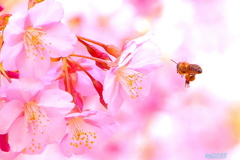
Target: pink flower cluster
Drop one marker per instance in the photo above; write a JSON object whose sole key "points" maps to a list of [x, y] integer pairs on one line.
{"points": [[46, 79]]}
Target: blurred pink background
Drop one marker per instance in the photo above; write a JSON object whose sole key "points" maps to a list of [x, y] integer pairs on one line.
{"points": [[174, 122]]}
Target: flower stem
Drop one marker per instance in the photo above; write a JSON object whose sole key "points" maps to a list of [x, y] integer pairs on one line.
{"points": [[92, 41], [97, 85], [66, 75], [91, 58], [111, 49]]}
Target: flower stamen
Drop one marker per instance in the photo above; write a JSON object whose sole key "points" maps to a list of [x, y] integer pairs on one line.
{"points": [[80, 133], [35, 117], [130, 81], [34, 42]]}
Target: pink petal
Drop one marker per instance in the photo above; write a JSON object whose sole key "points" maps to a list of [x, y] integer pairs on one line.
{"points": [[9, 55], [127, 54], [53, 72], [10, 112], [130, 48], [111, 93], [65, 147], [139, 41], [24, 89], [82, 114], [116, 100], [61, 39], [85, 85], [13, 40], [15, 28], [3, 88], [56, 128], [56, 98], [33, 66], [46, 12], [102, 120], [79, 150], [109, 86], [18, 136], [88, 113], [147, 58], [8, 155], [95, 71]]}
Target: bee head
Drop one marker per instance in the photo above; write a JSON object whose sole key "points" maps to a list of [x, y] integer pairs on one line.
{"points": [[181, 68]]}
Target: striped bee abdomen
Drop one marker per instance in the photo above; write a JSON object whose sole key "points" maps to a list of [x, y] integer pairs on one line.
{"points": [[194, 68]]}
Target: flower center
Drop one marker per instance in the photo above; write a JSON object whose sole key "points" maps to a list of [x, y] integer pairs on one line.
{"points": [[34, 42], [36, 117], [130, 81], [81, 133]]}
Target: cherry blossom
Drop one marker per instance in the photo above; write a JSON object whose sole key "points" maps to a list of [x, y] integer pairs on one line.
{"points": [[85, 130], [33, 113], [128, 80], [32, 37]]}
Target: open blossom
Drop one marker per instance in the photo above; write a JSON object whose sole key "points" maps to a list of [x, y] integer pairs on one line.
{"points": [[85, 131], [33, 115], [32, 37], [128, 79]]}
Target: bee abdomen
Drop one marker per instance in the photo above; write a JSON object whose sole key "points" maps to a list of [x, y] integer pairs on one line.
{"points": [[194, 68]]}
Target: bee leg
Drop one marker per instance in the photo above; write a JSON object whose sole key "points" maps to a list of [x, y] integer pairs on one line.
{"points": [[187, 82], [189, 77], [192, 78]]}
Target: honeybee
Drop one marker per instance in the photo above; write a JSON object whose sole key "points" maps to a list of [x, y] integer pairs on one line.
{"points": [[189, 70]]}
